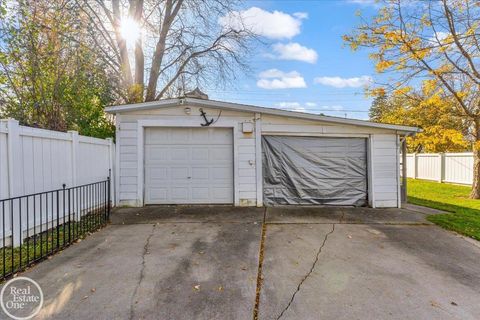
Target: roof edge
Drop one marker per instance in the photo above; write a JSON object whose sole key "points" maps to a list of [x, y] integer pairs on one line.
{"points": [[257, 109]]}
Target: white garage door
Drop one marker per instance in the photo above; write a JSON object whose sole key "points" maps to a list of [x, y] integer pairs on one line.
{"points": [[188, 165]]}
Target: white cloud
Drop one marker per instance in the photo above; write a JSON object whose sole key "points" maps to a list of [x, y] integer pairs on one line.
{"points": [[374, 3], [291, 106], [301, 15], [439, 37], [339, 82], [276, 79], [332, 108], [274, 25], [363, 1], [295, 51], [310, 107], [380, 3]]}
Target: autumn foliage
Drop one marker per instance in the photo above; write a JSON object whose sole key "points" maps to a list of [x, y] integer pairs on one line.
{"points": [[432, 46]]}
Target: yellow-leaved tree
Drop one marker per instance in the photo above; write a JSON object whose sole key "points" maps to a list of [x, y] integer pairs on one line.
{"points": [[435, 41], [442, 130]]}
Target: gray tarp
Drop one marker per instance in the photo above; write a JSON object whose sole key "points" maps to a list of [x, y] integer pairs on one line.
{"points": [[311, 170]]}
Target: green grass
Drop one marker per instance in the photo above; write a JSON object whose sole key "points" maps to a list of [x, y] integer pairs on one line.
{"points": [[465, 213], [46, 243]]}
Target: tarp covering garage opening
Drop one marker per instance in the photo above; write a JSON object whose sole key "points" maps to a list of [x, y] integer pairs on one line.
{"points": [[313, 170]]}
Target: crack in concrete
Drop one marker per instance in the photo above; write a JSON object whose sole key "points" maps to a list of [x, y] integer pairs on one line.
{"points": [[308, 273], [142, 273], [260, 267]]}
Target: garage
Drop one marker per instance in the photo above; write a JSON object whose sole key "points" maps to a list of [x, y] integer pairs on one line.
{"points": [[314, 171], [193, 150], [188, 166]]}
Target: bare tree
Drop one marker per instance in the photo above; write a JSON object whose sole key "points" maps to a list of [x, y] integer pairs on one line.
{"points": [[181, 43], [436, 43]]}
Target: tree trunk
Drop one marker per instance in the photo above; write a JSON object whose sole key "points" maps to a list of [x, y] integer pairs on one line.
{"points": [[475, 194], [139, 55]]}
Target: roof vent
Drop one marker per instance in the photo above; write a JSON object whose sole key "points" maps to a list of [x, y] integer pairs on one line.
{"points": [[197, 94]]}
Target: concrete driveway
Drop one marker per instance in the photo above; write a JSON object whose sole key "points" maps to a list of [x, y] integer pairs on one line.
{"points": [[313, 263]]}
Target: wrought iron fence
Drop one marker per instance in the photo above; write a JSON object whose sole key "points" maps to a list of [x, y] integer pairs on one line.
{"points": [[37, 225]]}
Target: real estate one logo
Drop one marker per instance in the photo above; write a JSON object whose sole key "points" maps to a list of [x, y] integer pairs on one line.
{"points": [[21, 298]]}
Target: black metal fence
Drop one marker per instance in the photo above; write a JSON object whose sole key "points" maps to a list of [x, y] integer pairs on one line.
{"points": [[36, 226]]}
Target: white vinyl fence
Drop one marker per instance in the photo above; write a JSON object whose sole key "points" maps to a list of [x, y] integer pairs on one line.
{"points": [[36, 160], [441, 167]]}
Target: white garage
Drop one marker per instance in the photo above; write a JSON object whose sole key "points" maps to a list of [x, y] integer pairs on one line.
{"points": [[188, 165], [191, 150]]}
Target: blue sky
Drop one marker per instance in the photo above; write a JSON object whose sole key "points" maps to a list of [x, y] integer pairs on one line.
{"points": [[305, 65]]}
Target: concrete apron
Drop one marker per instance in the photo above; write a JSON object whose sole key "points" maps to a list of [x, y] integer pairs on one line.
{"points": [[366, 264], [318, 263]]}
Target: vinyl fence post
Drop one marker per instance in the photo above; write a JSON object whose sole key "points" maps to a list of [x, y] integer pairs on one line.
{"points": [[441, 176], [14, 181], [74, 135], [111, 161], [13, 142], [109, 183]]}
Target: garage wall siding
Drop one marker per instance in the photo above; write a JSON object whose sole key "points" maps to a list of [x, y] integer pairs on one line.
{"points": [[384, 149], [385, 170], [127, 140]]}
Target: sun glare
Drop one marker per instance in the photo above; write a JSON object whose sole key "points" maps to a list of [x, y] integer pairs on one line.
{"points": [[130, 30]]}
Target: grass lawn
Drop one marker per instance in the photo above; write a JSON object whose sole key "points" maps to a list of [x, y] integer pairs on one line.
{"points": [[465, 213], [42, 245]]}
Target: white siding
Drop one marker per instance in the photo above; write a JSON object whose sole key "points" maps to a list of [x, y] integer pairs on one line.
{"points": [[385, 170], [128, 152], [384, 157], [292, 126]]}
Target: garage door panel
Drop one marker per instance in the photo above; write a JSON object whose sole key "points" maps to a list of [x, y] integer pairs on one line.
{"points": [[200, 193], [201, 154], [221, 193], [179, 154], [179, 173], [155, 153], [157, 193], [156, 136], [223, 137], [183, 168], [179, 135], [200, 173], [314, 170], [220, 154], [179, 193], [221, 173], [199, 136], [157, 173]]}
